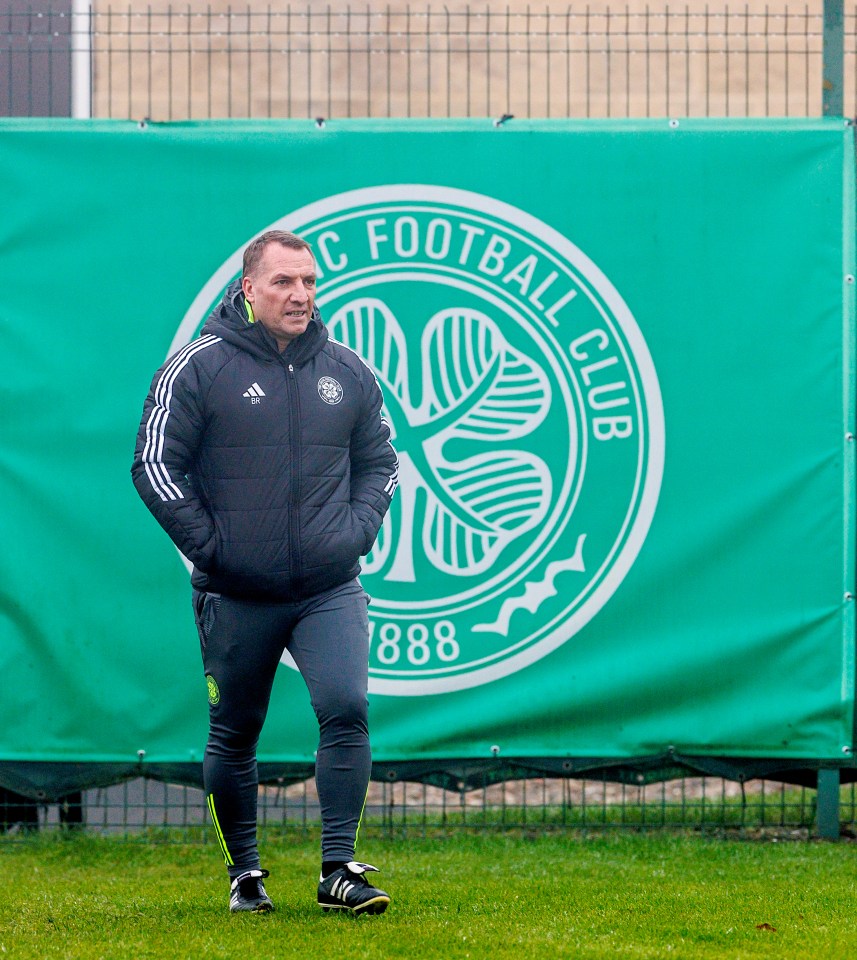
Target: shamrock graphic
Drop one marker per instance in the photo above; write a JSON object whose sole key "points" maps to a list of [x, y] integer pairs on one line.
{"points": [[475, 388]]}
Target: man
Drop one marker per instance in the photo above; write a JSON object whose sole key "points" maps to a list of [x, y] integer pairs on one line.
{"points": [[263, 454]]}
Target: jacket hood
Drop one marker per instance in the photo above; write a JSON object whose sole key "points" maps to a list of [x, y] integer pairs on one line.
{"points": [[229, 320]]}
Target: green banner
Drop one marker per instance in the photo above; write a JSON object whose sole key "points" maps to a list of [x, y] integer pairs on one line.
{"points": [[618, 361]]}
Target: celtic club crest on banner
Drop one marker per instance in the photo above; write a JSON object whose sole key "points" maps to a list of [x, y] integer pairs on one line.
{"points": [[524, 407]]}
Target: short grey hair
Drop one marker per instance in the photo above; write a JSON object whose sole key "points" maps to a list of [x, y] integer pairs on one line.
{"points": [[256, 248]]}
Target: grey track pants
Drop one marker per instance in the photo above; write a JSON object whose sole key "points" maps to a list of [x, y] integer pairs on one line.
{"points": [[242, 642]]}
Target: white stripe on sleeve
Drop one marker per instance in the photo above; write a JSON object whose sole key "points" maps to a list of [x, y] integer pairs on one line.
{"points": [[156, 425]]}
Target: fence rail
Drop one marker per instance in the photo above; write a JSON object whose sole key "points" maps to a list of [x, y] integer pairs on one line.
{"points": [[630, 60]]}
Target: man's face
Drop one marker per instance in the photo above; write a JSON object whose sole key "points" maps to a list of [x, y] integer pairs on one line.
{"points": [[281, 291]]}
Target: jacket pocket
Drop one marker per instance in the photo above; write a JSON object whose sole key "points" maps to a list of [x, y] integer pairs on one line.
{"points": [[362, 544], [206, 559]]}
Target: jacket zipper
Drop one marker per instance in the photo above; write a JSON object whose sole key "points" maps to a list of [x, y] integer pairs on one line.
{"points": [[295, 478]]}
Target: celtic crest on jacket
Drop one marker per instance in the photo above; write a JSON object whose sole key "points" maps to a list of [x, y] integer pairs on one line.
{"points": [[330, 390], [526, 412]]}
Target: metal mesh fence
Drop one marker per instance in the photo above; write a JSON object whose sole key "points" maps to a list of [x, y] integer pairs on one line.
{"points": [[147, 808], [176, 62]]}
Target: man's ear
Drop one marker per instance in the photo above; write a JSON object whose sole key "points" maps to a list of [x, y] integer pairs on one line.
{"points": [[247, 287]]}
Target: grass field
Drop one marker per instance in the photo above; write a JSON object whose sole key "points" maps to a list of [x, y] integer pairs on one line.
{"points": [[642, 896]]}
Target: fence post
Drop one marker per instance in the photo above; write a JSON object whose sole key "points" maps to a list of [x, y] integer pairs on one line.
{"points": [[833, 55], [81, 59], [827, 805]]}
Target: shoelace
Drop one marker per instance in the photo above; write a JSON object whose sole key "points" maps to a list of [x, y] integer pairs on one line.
{"points": [[251, 887]]}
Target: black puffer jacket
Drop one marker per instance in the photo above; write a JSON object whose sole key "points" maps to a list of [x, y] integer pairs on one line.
{"points": [[270, 471]]}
